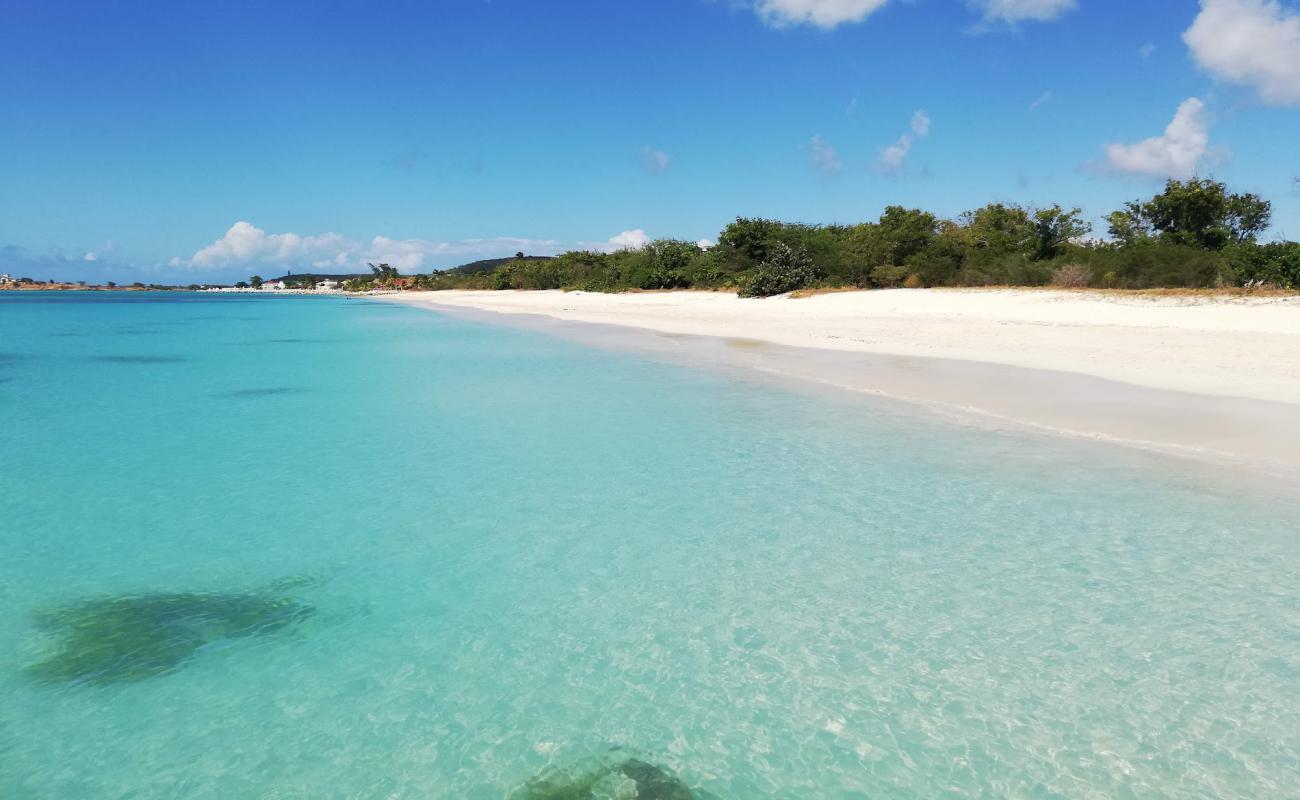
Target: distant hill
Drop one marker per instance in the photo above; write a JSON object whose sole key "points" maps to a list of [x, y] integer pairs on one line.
{"points": [[472, 268], [487, 265], [318, 276]]}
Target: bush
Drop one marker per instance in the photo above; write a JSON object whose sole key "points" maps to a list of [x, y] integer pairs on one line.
{"points": [[785, 270], [1071, 276], [889, 277], [1275, 264], [913, 282]]}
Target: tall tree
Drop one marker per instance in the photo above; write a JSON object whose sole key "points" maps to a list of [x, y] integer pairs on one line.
{"points": [[905, 231], [1000, 228], [1054, 227], [1199, 212]]}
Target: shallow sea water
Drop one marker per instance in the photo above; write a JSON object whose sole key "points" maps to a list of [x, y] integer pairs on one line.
{"points": [[518, 552]]}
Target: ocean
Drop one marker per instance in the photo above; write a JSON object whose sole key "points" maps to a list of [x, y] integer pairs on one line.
{"points": [[318, 547]]}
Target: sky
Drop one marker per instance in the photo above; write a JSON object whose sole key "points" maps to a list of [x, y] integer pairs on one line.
{"points": [[181, 142]]}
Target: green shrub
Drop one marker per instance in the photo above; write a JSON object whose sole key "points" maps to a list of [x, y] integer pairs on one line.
{"points": [[1275, 264], [888, 277], [785, 270]]}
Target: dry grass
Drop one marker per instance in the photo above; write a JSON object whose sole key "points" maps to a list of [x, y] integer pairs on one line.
{"points": [[802, 293], [1228, 291], [1071, 276]]}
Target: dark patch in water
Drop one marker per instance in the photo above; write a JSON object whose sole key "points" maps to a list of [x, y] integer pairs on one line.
{"points": [[133, 637], [10, 358], [139, 359], [612, 776], [264, 342], [135, 332], [264, 391]]}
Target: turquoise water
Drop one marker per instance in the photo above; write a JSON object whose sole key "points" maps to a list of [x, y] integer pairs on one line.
{"points": [[513, 552]]}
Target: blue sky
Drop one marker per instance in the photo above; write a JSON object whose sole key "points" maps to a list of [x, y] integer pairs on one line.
{"points": [[191, 141]]}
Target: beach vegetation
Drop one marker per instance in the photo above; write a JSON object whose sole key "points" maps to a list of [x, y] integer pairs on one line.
{"points": [[1199, 212], [1071, 276], [1192, 234], [784, 270]]}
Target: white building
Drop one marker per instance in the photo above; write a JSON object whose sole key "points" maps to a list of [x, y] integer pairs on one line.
{"points": [[328, 285], [5, 280]]}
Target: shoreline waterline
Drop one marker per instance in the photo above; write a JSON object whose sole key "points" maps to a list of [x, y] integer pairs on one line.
{"points": [[1248, 434]]}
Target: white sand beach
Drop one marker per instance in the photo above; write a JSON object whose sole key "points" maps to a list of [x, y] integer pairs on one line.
{"points": [[1218, 373]]}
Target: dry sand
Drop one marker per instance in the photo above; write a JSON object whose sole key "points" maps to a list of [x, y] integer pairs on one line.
{"points": [[1212, 373]]}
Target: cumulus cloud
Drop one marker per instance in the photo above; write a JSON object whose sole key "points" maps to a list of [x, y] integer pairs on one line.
{"points": [[706, 244], [628, 240], [819, 13], [655, 160], [1175, 154], [893, 158], [1013, 11], [246, 245], [823, 157], [1252, 43]]}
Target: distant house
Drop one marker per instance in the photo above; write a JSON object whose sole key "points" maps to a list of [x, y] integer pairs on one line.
{"points": [[275, 285], [329, 285], [5, 280]]}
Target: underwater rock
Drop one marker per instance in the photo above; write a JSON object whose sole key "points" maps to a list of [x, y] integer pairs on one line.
{"points": [[134, 637], [618, 776]]}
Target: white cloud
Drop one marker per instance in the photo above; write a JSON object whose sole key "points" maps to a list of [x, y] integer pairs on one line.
{"points": [[1013, 11], [823, 157], [246, 245], [655, 160], [706, 244], [1250, 42], [90, 256], [921, 123], [1175, 154], [1146, 51], [628, 240], [1042, 100], [893, 158], [821, 13]]}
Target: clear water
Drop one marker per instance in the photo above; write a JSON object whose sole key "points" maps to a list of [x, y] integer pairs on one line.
{"points": [[522, 551]]}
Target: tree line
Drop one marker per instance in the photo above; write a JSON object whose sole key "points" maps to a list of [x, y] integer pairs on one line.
{"points": [[1193, 234]]}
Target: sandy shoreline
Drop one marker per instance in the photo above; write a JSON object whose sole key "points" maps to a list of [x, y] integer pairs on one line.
{"points": [[1218, 375]]}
